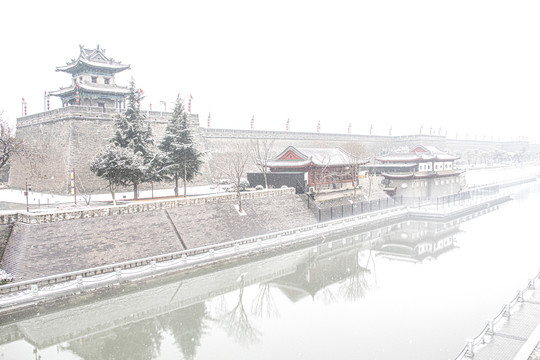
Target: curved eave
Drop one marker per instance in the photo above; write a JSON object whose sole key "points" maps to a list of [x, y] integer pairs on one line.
{"points": [[423, 158], [408, 176], [288, 164], [72, 67], [447, 158], [107, 90], [449, 173], [398, 160], [91, 90], [421, 175], [61, 92]]}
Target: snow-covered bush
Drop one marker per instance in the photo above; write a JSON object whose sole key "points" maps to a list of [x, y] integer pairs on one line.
{"points": [[5, 277], [259, 187]]}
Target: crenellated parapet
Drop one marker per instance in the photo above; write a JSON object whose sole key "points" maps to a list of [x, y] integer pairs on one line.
{"points": [[91, 113]]}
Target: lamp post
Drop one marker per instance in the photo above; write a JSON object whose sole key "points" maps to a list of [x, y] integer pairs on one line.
{"points": [[28, 188]]}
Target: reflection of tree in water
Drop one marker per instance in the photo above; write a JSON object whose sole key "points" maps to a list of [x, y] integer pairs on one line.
{"points": [[264, 304], [236, 322], [355, 286], [142, 339], [187, 326], [139, 340], [326, 295]]}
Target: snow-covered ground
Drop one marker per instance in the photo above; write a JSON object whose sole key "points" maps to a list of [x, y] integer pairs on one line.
{"points": [[35, 198], [474, 177]]}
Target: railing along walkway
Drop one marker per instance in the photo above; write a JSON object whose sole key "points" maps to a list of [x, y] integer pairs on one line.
{"points": [[504, 336]]}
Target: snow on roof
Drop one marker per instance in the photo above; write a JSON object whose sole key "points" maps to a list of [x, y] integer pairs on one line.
{"points": [[317, 156], [327, 156], [287, 164], [399, 157], [94, 58], [386, 166], [431, 153], [90, 88]]}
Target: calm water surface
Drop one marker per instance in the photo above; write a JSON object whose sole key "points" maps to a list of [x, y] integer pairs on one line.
{"points": [[411, 290]]}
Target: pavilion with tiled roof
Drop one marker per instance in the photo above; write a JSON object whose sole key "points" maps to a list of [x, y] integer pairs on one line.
{"points": [[323, 168], [93, 80], [425, 171]]}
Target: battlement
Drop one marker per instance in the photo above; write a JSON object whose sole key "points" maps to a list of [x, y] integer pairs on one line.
{"points": [[267, 134], [89, 113]]}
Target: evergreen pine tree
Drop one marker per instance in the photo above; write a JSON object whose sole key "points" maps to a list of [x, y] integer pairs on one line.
{"points": [[136, 165], [119, 166], [181, 159]]}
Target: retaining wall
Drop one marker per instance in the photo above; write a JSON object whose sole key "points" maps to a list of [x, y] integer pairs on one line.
{"points": [[53, 243]]}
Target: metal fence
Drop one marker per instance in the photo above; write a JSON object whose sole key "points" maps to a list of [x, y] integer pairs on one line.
{"points": [[341, 211], [356, 208]]}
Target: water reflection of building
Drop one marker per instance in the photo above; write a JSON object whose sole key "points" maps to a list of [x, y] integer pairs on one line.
{"points": [[132, 324], [331, 264], [417, 241]]}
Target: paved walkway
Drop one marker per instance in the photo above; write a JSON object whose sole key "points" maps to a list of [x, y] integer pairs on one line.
{"points": [[518, 336]]}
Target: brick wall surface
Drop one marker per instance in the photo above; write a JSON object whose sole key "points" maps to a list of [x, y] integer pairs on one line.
{"points": [[36, 250]]}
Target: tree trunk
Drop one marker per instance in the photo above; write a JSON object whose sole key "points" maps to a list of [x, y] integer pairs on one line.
{"points": [[175, 184], [239, 195], [113, 193], [265, 180], [135, 191], [355, 181], [239, 200], [185, 177]]}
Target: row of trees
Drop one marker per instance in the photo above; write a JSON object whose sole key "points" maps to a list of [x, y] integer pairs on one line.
{"points": [[132, 158]]}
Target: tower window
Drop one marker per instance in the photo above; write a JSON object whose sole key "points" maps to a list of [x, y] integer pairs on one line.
{"points": [[107, 81], [94, 79]]}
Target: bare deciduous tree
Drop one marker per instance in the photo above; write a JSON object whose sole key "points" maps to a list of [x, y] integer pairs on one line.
{"points": [[358, 154], [8, 144], [262, 151], [233, 165]]}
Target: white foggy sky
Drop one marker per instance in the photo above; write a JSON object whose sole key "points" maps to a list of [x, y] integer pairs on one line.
{"points": [[468, 67]]}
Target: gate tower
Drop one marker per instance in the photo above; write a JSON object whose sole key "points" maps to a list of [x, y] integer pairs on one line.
{"points": [[92, 81]]}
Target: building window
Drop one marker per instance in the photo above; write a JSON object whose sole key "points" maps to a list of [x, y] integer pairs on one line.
{"points": [[107, 81], [94, 79]]}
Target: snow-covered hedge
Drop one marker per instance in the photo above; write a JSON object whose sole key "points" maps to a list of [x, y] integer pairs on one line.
{"points": [[5, 277]]}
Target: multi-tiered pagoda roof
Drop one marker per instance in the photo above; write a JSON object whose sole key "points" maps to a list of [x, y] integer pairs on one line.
{"points": [[93, 82], [94, 61]]}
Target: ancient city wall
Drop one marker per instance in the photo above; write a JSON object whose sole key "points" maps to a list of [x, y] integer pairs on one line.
{"points": [[68, 138]]}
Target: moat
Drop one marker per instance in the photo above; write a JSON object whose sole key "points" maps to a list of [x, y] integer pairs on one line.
{"points": [[413, 290]]}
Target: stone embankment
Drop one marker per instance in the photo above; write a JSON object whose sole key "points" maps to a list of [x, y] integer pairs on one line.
{"points": [[59, 242]]}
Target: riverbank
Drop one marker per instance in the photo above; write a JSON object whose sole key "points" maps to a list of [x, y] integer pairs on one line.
{"points": [[186, 291], [88, 279]]}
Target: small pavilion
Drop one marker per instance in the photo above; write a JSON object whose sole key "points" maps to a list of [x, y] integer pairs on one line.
{"points": [[323, 168]]}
